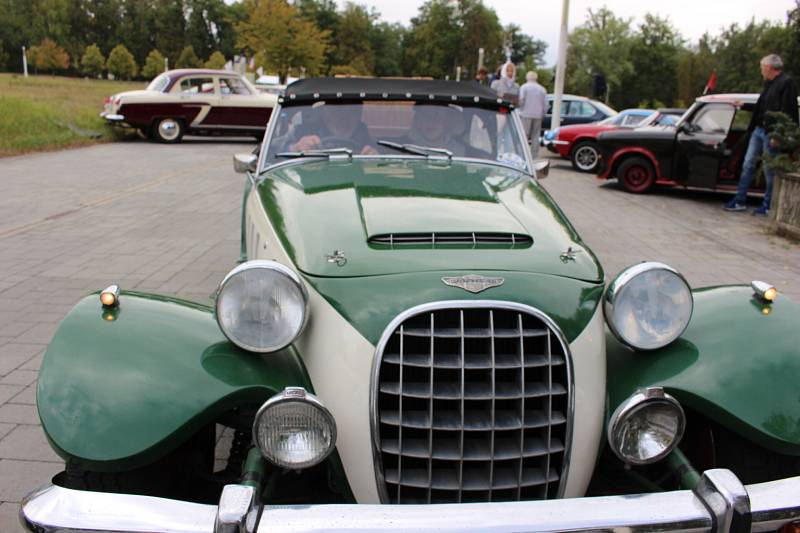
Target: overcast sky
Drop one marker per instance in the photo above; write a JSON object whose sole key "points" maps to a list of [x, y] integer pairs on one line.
{"points": [[542, 18]]}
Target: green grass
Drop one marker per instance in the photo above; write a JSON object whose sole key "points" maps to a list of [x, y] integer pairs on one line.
{"points": [[35, 111]]}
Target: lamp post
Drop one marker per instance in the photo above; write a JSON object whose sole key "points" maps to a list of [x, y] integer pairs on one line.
{"points": [[24, 63], [561, 66]]}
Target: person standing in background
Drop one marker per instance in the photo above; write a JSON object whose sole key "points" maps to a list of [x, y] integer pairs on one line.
{"points": [[532, 106], [779, 94], [482, 77], [507, 87]]}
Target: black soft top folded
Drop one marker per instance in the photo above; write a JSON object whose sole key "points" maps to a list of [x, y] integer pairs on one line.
{"points": [[350, 89]]}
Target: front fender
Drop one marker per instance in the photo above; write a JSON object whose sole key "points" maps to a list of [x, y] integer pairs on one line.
{"points": [[737, 363], [120, 388]]}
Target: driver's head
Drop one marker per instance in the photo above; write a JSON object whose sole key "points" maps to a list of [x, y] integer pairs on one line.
{"points": [[341, 121]]}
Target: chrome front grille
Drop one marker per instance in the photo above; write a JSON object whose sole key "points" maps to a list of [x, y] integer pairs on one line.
{"points": [[465, 239], [471, 404]]}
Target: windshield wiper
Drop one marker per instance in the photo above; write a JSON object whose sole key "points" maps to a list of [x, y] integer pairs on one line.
{"points": [[330, 153], [416, 149]]}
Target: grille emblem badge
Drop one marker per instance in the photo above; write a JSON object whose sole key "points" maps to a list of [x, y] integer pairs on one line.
{"points": [[473, 282]]}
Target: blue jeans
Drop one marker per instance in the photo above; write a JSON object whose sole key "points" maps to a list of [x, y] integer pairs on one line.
{"points": [[756, 149]]}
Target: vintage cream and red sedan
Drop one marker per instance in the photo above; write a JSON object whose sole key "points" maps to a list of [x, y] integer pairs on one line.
{"points": [[192, 101]]}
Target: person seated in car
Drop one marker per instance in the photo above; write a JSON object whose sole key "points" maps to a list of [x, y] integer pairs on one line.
{"points": [[438, 127], [341, 127]]}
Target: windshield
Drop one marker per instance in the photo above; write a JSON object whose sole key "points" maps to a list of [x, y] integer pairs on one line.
{"points": [[463, 131], [159, 83]]}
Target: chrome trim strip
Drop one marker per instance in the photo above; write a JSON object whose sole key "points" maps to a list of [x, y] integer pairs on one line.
{"points": [[56, 509], [467, 304]]}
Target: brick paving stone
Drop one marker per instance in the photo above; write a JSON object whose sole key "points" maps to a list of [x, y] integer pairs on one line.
{"points": [[27, 443], [21, 477], [9, 518], [26, 396], [14, 354], [9, 391], [16, 413], [5, 429]]}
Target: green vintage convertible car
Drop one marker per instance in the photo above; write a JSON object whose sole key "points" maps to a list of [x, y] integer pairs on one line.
{"points": [[417, 339]]}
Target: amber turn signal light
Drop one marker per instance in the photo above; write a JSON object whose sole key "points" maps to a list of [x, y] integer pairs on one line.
{"points": [[764, 290], [109, 297]]}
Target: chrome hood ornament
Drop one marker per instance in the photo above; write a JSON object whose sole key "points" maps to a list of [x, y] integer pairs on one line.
{"points": [[473, 282]]}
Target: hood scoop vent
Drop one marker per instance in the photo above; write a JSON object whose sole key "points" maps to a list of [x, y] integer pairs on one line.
{"points": [[462, 240]]}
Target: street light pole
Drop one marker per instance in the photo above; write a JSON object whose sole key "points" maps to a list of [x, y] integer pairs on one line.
{"points": [[561, 66]]}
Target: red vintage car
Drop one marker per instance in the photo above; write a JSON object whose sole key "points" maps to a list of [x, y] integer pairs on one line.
{"points": [[194, 101], [578, 142]]}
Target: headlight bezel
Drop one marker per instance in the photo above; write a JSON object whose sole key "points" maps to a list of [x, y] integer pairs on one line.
{"points": [[274, 266], [643, 399], [621, 281], [295, 395]]}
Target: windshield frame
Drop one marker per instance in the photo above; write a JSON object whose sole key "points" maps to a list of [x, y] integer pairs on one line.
{"points": [[264, 165]]}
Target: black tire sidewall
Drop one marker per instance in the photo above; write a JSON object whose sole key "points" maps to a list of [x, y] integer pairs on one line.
{"points": [[584, 144], [627, 165]]}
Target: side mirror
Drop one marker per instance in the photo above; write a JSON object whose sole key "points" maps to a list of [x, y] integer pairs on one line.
{"points": [[245, 163], [541, 168]]}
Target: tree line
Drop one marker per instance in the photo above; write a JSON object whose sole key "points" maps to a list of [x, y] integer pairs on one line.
{"points": [[648, 64]]}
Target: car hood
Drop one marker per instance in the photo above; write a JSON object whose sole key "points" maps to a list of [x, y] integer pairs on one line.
{"points": [[319, 207]]}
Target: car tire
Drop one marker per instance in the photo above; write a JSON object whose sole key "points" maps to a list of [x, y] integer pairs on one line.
{"points": [[168, 130], [585, 156], [636, 174]]}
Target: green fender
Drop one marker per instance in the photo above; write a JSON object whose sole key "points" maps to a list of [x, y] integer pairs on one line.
{"points": [[121, 388], [737, 363]]}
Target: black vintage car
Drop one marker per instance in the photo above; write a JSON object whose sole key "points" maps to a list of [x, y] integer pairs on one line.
{"points": [[705, 149]]}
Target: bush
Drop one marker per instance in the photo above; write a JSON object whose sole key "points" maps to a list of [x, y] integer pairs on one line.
{"points": [[216, 61], [93, 62], [153, 65], [121, 63], [188, 59], [3, 56], [49, 56], [784, 135]]}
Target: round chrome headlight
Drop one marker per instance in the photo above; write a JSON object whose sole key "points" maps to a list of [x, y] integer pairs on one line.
{"points": [[262, 306], [646, 427], [294, 430], [648, 305]]}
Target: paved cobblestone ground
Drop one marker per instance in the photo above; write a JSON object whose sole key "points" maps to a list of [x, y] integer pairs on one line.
{"points": [[165, 219]]}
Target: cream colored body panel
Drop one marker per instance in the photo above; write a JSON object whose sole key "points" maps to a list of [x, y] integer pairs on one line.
{"points": [[339, 362], [338, 359], [589, 394]]}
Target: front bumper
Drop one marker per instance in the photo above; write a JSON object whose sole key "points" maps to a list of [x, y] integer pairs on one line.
{"points": [[113, 118], [719, 503]]}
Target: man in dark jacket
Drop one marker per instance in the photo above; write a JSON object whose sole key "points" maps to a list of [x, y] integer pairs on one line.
{"points": [[779, 94]]}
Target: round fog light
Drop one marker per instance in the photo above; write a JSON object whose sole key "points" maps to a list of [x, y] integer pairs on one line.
{"points": [[294, 430], [646, 427]]}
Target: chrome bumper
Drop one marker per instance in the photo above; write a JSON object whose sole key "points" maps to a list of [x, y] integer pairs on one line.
{"points": [[113, 118], [719, 503]]}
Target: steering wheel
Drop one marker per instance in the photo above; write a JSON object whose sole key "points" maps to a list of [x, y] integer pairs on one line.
{"points": [[333, 141]]}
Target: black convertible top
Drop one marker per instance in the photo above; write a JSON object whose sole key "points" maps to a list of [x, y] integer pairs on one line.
{"points": [[357, 89]]}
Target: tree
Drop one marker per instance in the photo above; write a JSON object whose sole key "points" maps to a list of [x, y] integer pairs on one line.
{"points": [[695, 65], [93, 62], [3, 56], [524, 48], [188, 59], [49, 56], [602, 45], [281, 39], [387, 47], [121, 63], [353, 52], [153, 65], [170, 28], [447, 34], [216, 61], [324, 15], [655, 51]]}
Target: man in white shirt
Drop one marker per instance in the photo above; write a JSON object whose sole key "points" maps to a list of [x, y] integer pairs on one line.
{"points": [[532, 106]]}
